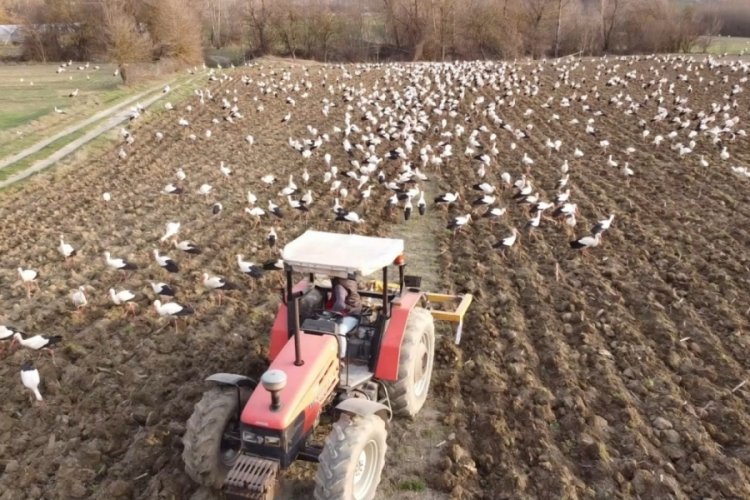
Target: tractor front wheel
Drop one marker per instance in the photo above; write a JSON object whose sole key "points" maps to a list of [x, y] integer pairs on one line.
{"points": [[409, 392], [212, 438], [352, 459]]}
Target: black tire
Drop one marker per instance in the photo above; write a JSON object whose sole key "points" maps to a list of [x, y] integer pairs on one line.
{"points": [[409, 392], [343, 473], [207, 456]]}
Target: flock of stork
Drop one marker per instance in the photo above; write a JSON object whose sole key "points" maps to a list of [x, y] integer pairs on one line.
{"points": [[390, 134]]}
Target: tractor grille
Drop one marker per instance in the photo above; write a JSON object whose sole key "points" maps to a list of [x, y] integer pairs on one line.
{"points": [[252, 478]]}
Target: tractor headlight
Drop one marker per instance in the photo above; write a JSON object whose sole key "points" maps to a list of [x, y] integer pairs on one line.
{"points": [[273, 441], [251, 437]]}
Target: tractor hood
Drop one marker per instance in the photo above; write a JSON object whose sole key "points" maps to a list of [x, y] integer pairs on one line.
{"points": [[307, 386]]}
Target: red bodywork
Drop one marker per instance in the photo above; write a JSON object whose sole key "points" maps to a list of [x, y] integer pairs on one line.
{"points": [[280, 328], [390, 346], [308, 386]]}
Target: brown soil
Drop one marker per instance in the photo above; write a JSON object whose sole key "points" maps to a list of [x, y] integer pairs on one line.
{"points": [[613, 376]]}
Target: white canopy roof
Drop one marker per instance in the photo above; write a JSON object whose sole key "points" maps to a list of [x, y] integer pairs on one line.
{"points": [[340, 254]]}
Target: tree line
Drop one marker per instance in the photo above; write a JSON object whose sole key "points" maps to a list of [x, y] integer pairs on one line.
{"points": [[128, 31]]}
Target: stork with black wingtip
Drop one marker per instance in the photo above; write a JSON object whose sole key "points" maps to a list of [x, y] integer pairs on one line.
{"points": [[31, 379]]}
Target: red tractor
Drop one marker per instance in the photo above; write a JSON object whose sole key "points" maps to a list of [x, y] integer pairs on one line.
{"points": [[361, 371]]}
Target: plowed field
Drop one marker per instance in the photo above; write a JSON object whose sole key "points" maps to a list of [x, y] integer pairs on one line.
{"points": [[618, 373]]}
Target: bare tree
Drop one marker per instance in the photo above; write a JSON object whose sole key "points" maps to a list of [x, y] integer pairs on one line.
{"points": [[560, 5], [124, 40], [213, 12], [536, 12], [324, 29], [444, 25], [609, 19], [391, 21], [259, 20], [411, 21], [174, 28], [288, 24]]}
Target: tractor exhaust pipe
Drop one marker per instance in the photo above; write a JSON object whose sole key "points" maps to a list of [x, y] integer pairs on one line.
{"points": [[274, 381], [292, 304]]}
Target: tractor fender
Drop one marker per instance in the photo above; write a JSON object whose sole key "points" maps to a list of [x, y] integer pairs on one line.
{"points": [[363, 407], [232, 379]]}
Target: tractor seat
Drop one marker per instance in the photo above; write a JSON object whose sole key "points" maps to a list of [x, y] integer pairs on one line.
{"points": [[315, 325], [327, 322]]}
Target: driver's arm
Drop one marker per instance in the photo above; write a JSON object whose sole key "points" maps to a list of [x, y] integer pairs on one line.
{"points": [[339, 298]]}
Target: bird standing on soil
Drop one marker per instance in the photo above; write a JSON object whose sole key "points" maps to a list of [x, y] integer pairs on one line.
{"points": [[494, 213], [586, 242], [407, 209], [218, 284], [533, 223], [205, 190], [172, 310], [65, 249], [256, 213], [275, 209], [188, 247], [78, 296], [30, 379], [161, 288], [421, 204], [271, 238], [602, 225], [28, 277], [626, 171], [249, 269], [6, 333], [344, 216], [172, 189], [37, 342], [166, 262], [173, 228], [119, 264], [457, 223], [446, 198], [123, 297], [507, 242]]}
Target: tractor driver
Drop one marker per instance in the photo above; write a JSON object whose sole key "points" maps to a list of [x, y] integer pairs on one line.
{"points": [[347, 302]]}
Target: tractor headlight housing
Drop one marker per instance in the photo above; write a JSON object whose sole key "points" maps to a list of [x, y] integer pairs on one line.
{"points": [[251, 437], [261, 439]]}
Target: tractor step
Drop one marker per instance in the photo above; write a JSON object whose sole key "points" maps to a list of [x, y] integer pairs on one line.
{"points": [[252, 478], [353, 375]]}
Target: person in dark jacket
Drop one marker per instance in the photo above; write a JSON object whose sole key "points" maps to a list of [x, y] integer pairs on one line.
{"points": [[346, 297], [348, 303]]}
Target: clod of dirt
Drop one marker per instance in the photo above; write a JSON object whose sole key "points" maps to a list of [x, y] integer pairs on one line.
{"points": [[464, 465], [671, 436], [662, 423], [120, 489], [643, 481]]}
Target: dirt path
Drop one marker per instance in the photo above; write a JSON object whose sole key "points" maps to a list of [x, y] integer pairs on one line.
{"points": [[416, 447], [112, 117]]}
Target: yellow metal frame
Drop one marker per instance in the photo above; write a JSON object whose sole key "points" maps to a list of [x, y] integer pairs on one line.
{"points": [[377, 286], [454, 316]]}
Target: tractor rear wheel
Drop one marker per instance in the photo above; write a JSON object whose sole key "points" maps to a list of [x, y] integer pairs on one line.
{"points": [[352, 459], [212, 438], [409, 392]]}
